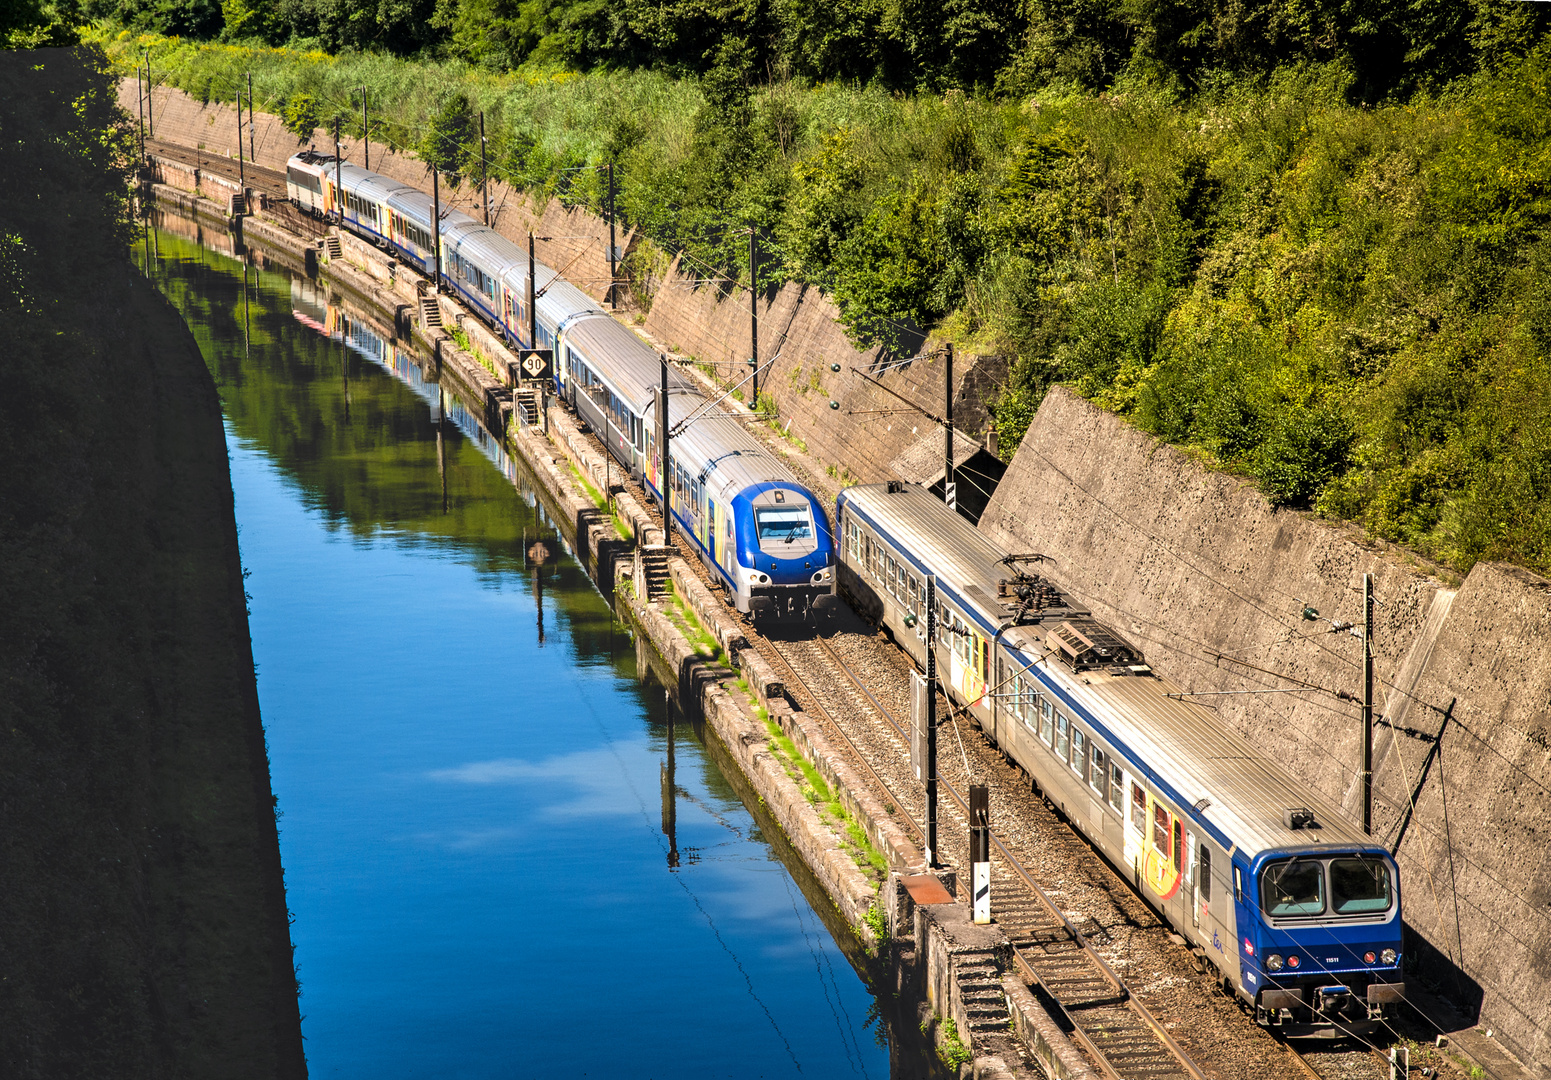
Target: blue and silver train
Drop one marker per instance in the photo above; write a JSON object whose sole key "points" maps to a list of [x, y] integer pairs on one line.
{"points": [[762, 534], [1296, 908]]}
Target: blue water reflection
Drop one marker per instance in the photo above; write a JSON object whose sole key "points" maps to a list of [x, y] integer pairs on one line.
{"points": [[474, 822]]}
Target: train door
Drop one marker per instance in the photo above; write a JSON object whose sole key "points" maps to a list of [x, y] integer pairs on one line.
{"points": [[1161, 857]]}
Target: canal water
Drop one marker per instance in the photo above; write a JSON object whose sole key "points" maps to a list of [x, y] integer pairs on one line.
{"points": [[502, 858]]}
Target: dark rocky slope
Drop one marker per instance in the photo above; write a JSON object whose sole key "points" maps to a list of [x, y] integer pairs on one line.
{"points": [[143, 924]]}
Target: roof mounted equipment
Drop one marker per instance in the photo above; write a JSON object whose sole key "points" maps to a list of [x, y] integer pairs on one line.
{"points": [[1086, 644]]}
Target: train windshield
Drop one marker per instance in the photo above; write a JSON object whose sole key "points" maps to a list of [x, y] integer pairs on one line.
{"points": [[1293, 888], [1298, 887], [784, 523], [1359, 886]]}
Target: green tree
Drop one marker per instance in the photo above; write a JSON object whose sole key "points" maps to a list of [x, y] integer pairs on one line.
{"points": [[449, 137], [301, 115]]}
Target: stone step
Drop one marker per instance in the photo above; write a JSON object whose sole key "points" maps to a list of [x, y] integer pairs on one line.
{"points": [[430, 313]]}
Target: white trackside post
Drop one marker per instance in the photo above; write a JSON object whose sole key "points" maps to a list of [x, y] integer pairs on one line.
{"points": [[980, 852]]}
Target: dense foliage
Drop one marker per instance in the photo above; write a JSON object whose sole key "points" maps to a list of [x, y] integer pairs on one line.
{"points": [[1319, 268]]}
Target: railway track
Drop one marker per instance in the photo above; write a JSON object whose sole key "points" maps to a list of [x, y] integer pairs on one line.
{"points": [[1124, 1040], [258, 177]]}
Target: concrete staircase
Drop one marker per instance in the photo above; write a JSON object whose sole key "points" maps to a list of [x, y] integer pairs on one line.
{"points": [[654, 570], [525, 400], [332, 247], [979, 977], [430, 313]]}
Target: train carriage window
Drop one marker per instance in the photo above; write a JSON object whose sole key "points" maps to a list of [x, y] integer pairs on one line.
{"points": [[1162, 822], [1098, 771], [890, 572], [902, 579], [1117, 788], [1188, 862], [1063, 736], [1138, 808], [1179, 847], [1047, 720], [1079, 760], [1204, 873]]}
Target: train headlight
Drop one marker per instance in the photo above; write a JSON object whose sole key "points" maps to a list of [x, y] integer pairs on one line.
{"points": [[1273, 962], [1369, 957], [764, 578], [1388, 956], [1293, 961]]}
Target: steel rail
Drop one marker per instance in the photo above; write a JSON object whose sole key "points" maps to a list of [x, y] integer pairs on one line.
{"points": [[856, 752]]}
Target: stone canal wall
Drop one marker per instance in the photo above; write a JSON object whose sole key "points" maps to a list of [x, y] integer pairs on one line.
{"points": [[1196, 568], [143, 922]]}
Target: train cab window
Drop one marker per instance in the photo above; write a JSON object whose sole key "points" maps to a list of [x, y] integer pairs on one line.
{"points": [[1117, 788], [1358, 886], [1138, 808], [783, 523], [1063, 736], [1079, 759], [1047, 721], [1162, 821], [1294, 887], [1098, 770]]}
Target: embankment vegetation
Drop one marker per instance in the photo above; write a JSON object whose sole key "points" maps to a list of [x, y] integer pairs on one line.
{"points": [[1306, 240], [142, 912]]}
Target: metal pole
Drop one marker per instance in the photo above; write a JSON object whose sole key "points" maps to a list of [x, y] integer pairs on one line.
{"points": [[140, 101], [533, 315], [366, 134], [242, 181], [339, 179], [613, 267], [436, 226], [754, 316], [931, 721], [664, 479], [1368, 703], [150, 121], [251, 155], [950, 494], [484, 196]]}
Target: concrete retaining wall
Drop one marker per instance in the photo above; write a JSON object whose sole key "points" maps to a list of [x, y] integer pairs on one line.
{"points": [[1196, 568], [800, 341]]}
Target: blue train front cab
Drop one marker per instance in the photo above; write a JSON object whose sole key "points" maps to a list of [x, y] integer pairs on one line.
{"points": [[1320, 938], [786, 552]]}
